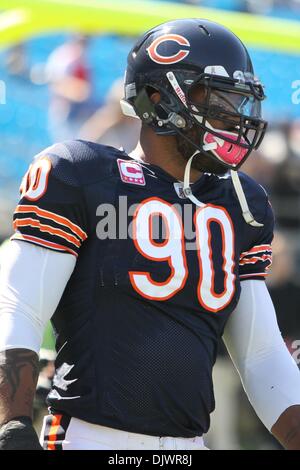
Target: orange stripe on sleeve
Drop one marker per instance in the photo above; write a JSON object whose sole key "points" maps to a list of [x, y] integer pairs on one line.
{"points": [[257, 249], [46, 228], [254, 275], [56, 218], [255, 259]]}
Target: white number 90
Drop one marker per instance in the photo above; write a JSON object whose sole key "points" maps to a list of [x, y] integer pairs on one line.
{"points": [[172, 250]]}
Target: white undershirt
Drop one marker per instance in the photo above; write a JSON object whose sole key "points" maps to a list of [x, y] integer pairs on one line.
{"points": [[32, 281], [268, 372]]}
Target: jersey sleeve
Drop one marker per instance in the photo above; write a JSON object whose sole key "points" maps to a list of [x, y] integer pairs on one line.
{"points": [[51, 212], [256, 260]]}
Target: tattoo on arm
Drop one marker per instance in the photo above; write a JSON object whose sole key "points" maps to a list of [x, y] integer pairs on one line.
{"points": [[12, 365], [19, 369]]}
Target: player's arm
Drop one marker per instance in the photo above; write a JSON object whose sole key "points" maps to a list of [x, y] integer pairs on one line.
{"points": [[32, 281], [268, 372], [50, 223], [18, 378]]}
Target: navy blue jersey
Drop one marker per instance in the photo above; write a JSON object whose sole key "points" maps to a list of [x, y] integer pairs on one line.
{"points": [[155, 281]]}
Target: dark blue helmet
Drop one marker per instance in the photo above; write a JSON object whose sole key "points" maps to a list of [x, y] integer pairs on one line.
{"points": [[187, 58]]}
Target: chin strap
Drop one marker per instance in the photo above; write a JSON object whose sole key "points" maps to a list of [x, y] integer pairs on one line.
{"points": [[242, 200], [187, 191]]}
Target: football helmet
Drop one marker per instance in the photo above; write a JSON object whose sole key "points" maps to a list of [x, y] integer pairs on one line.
{"points": [[206, 81]]}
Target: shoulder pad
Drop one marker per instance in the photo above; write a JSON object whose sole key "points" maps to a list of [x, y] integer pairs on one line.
{"points": [[79, 162], [256, 195]]}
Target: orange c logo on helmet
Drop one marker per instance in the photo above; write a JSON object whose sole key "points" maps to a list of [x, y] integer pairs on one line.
{"points": [[172, 59]]}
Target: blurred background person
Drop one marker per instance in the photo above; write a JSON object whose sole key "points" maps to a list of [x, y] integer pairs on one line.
{"points": [[284, 287], [109, 126], [69, 79], [16, 61]]}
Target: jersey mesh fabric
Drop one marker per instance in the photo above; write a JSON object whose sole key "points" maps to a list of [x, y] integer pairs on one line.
{"points": [[127, 361]]}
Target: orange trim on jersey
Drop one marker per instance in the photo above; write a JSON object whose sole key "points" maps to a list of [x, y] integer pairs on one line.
{"points": [[25, 182], [52, 435], [212, 282], [257, 249], [254, 274], [168, 258], [37, 180], [211, 219], [36, 183], [46, 228], [255, 259], [165, 221], [44, 243], [52, 216]]}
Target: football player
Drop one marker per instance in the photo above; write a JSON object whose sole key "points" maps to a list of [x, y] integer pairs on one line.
{"points": [[143, 265]]}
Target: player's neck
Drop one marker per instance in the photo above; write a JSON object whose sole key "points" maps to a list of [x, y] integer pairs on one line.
{"points": [[162, 151]]}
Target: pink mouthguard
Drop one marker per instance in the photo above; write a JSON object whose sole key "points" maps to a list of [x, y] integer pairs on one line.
{"points": [[228, 152]]}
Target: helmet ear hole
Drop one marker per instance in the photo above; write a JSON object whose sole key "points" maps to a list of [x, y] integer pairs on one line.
{"points": [[150, 90], [153, 94]]}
